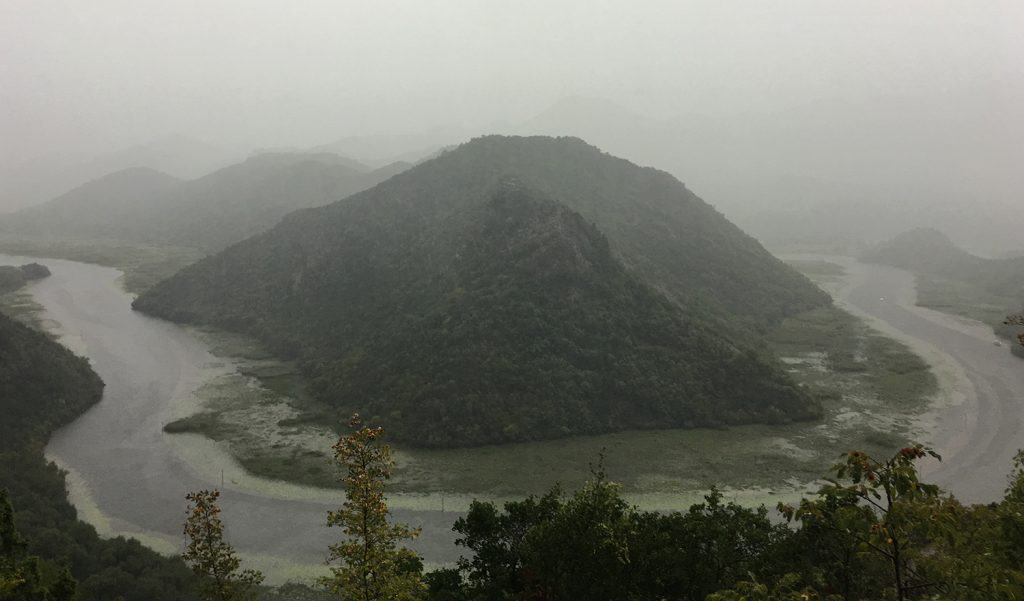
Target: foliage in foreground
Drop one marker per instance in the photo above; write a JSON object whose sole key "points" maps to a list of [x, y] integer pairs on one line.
{"points": [[369, 562], [210, 557], [874, 531]]}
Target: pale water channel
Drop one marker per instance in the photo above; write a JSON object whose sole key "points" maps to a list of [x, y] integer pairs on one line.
{"points": [[127, 477]]}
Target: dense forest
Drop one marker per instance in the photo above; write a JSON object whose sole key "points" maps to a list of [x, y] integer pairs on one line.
{"points": [[146, 207], [874, 532], [596, 296]]}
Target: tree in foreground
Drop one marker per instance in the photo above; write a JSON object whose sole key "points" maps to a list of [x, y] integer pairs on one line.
{"points": [[211, 557], [874, 508], [370, 565], [874, 532], [20, 575], [594, 545], [787, 589], [878, 531]]}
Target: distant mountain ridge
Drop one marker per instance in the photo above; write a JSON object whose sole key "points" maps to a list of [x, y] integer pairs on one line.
{"points": [[513, 289], [145, 206], [37, 180], [94, 207], [799, 175], [932, 252]]}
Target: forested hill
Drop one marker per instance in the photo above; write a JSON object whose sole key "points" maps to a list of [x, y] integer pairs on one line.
{"points": [[512, 289], [144, 206]]}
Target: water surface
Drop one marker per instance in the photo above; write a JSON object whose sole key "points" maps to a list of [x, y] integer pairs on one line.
{"points": [[127, 476]]}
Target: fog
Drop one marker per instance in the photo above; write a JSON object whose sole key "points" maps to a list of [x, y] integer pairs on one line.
{"points": [[394, 266], [774, 112]]}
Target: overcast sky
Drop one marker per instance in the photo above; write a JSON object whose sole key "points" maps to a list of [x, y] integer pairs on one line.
{"points": [[97, 75]]}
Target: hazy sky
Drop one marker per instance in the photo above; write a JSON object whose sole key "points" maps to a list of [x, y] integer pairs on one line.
{"points": [[97, 75]]}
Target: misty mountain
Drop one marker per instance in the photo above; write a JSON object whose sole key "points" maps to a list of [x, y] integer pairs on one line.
{"points": [[513, 289], [931, 252], [144, 206], [816, 171], [383, 149], [40, 179], [98, 208]]}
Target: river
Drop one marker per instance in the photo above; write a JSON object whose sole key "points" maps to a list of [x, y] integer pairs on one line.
{"points": [[979, 435], [126, 476]]}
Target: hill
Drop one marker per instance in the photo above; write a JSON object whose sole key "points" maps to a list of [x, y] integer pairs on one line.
{"points": [[100, 208], [36, 180], [953, 280], [929, 251], [143, 206], [512, 289], [797, 175], [236, 202]]}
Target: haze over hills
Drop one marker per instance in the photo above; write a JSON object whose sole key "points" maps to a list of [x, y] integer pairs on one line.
{"points": [[955, 281], [382, 149], [145, 206], [930, 251], [38, 180], [513, 289], [813, 171], [97, 207], [807, 174]]}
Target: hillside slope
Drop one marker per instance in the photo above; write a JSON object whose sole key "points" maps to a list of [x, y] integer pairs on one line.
{"points": [[146, 207], [512, 289], [98, 208]]}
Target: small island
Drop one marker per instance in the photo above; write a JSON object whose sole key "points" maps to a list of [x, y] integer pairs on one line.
{"points": [[13, 278]]}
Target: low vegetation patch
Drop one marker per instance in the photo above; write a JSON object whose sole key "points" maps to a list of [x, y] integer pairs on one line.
{"points": [[143, 266], [871, 389]]}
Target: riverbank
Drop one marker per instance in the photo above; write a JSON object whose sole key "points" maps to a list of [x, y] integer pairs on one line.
{"points": [[874, 392], [42, 387], [141, 266], [154, 370], [978, 425]]}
